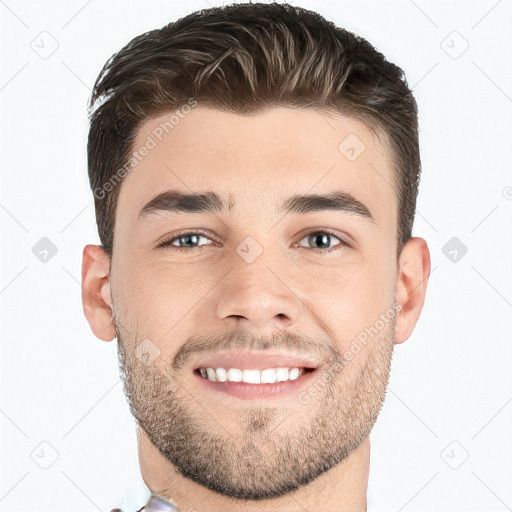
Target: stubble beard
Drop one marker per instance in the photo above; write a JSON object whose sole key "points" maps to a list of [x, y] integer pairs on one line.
{"points": [[262, 461]]}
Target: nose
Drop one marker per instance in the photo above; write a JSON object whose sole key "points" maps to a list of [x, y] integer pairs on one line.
{"points": [[253, 295]]}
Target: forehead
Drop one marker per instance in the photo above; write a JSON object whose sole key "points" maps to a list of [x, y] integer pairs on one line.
{"points": [[260, 159]]}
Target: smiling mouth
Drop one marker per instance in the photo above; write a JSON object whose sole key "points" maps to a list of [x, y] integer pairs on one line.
{"points": [[264, 384], [250, 375], [253, 376]]}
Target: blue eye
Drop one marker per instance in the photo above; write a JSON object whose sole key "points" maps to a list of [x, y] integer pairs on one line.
{"points": [[321, 241], [186, 240]]}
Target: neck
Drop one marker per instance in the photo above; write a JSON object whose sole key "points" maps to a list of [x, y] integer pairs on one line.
{"points": [[341, 489]]}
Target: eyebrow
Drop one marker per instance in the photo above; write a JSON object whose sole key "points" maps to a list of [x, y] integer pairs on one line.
{"points": [[175, 201]]}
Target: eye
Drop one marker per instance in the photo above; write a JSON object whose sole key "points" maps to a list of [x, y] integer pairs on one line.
{"points": [[185, 241], [321, 241]]}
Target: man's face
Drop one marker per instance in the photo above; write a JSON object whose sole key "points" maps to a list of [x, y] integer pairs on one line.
{"points": [[256, 279]]}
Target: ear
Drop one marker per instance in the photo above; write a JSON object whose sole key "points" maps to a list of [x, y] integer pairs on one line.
{"points": [[96, 296], [411, 285]]}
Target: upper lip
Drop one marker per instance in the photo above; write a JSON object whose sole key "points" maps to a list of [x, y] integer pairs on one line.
{"points": [[254, 360]]}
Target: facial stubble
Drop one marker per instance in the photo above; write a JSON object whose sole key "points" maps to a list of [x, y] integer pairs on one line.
{"points": [[262, 460]]}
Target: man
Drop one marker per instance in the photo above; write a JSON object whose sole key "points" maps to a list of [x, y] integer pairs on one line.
{"points": [[255, 172]]}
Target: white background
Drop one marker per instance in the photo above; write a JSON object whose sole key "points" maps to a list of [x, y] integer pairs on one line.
{"points": [[450, 394]]}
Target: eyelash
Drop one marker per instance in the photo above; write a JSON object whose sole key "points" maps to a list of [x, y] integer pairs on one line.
{"points": [[168, 242]]}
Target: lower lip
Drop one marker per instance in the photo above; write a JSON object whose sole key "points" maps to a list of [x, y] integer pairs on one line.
{"points": [[247, 391]]}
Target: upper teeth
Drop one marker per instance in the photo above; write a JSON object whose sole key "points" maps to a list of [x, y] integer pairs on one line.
{"points": [[268, 375]]}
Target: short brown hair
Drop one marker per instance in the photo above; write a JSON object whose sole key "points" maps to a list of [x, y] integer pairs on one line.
{"points": [[243, 58]]}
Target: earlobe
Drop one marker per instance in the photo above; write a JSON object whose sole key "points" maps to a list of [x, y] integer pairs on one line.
{"points": [[411, 286], [96, 296]]}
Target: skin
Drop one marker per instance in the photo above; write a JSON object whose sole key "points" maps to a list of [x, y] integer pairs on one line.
{"points": [[295, 455]]}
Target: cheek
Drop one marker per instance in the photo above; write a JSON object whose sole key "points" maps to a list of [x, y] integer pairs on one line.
{"points": [[351, 298], [155, 296]]}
